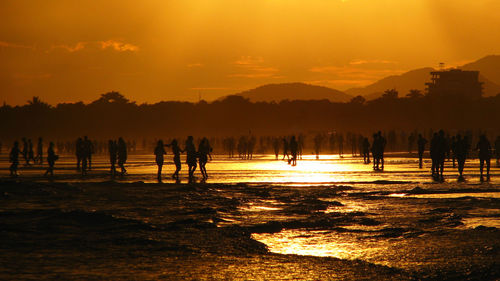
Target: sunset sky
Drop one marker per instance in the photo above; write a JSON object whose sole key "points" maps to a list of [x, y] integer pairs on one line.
{"points": [[66, 51]]}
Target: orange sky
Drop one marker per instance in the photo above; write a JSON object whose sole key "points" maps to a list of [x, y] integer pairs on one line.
{"points": [[175, 49]]}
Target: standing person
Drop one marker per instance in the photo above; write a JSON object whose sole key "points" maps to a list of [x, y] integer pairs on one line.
{"points": [[382, 144], [442, 150], [176, 151], [366, 151], [31, 153], [285, 149], [276, 146], [294, 147], [421, 142], [25, 151], [461, 154], [122, 155], [497, 149], [204, 150], [39, 151], [14, 159], [453, 147], [159, 152], [484, 148], [78, 152], [191, 156], [434, 154], [375, 152], [318, 139], [84, 156], [89, 149], [51, 160], [112, 149]]}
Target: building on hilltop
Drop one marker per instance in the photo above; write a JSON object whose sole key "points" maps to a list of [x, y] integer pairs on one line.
{"points": [[455, 82]]}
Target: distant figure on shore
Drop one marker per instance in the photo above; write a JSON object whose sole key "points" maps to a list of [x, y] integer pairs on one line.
{"points": [[434, 154], [159, 152], [318, 140], [461, 148], [378, 147], [31, 153], [366, 151], [24, 152], [176, 151], [421, 142], [39, 151], [113, 154], [276, 147], [14, 159], [300, 142], [442, 151], [78, 152], [484, 148], [340, 140], [51, 160], [497, 149], [85, 154], [294, 147], [122, 155], [191, 156], [453, 147], [204, 150], [88, 148], [285, 149]]}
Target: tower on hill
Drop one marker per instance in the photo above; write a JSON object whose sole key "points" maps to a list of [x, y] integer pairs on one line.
{"points": [[455, 82]]}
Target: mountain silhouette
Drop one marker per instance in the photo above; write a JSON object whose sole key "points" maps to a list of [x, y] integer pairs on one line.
{"points": [[488, 67], [294, 91]]}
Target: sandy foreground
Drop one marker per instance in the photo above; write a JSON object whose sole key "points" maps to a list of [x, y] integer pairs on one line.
{"points": [[145, 231]]}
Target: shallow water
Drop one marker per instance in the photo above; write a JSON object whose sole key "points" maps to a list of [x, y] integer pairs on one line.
{"points": [[330, 207]]}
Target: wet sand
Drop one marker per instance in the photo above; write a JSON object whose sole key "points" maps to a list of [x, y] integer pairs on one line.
{"points": [[94, 228]]}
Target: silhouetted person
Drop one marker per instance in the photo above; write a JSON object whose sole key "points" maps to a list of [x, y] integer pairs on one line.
{"points": [[39, 151], [159, 152], [484, 148], [204, 150], [366, 151], [79, 152], [191, 156], [300, 142], [122, 155], [294, 147], [25, 151], [51, 159], [434, 153], [88, 150], [497, 149], [340, 140], [461, 148], [318, 139], [453, 147], [176, 151], [375, 152], [442, 150], [113, 155], [285, 150], [14, 159], [421, 142], [31, 153], [382, 144], [276, 147]]}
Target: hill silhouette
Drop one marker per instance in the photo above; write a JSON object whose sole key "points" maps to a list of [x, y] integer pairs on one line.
{"points": [[489, 68], [294, 91]]}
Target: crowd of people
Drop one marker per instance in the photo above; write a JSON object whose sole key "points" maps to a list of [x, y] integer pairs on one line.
{"points": [[456, 148]]}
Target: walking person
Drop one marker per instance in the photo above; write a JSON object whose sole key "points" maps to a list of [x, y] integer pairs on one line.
{"points": [[14, 159], [484, 148], [204, 150], [159, 153], [191, 156], [294, 147], [122, 155], [176, 151], [51, 159], [113, 154], [421, 142]]}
